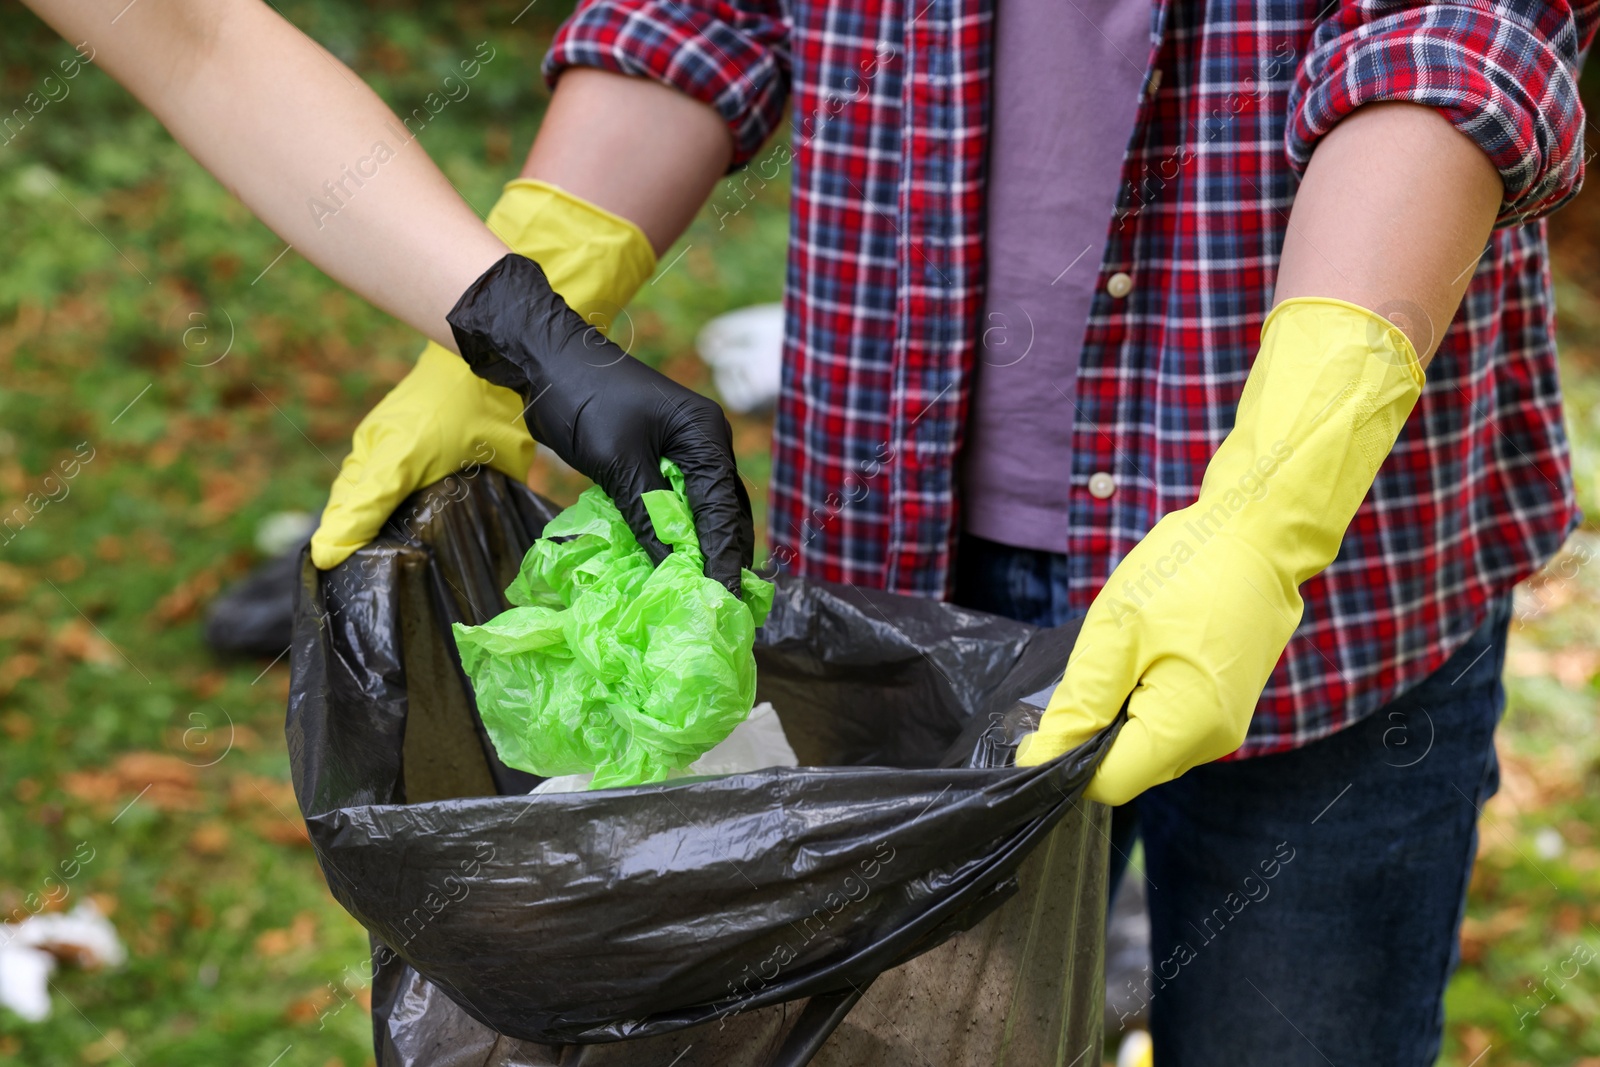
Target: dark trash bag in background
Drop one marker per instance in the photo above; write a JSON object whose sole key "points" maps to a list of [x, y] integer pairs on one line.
{"points": [[708, 904]]}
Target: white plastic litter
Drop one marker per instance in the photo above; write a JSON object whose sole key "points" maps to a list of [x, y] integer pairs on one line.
{"points": [[744, 350], [30, 950], [754, 744], [25, 981], [282, 531]]}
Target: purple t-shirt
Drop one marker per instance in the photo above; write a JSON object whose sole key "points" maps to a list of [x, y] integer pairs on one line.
{"points": [[1067, 79]]}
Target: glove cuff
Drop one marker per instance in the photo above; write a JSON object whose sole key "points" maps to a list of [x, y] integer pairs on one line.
{"points": [[1324, 404], [593, 259], [1386, 340]]}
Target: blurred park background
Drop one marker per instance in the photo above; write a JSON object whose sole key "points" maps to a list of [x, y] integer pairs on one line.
{"points": [[197, 381]]}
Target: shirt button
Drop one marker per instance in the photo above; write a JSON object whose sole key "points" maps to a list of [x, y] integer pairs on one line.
{"points": [[1155, 83], [1101, 485], [1119, 285]]}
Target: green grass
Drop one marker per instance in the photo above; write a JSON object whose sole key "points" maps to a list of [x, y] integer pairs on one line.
{"points": [[129, 273], [136, 324]]}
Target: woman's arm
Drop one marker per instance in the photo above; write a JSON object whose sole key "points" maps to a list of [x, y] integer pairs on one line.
{"points": [[300, 139], [1393, 214], [632, 146]]}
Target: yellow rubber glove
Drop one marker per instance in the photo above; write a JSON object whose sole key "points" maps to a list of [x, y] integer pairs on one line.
{"points": [[442, 418], [1193, 620]]}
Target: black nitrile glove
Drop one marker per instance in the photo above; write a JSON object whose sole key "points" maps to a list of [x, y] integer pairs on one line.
{"points": [[606, 414]]}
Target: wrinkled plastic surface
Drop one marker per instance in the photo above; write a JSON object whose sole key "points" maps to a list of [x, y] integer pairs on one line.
{"points": [[593, 917], [754, 745], [607, 663], [1021, 988]]}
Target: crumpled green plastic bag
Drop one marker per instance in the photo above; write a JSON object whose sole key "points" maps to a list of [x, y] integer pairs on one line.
{"points": [[608, 664]]}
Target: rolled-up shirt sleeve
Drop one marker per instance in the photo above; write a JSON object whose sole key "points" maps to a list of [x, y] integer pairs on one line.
{"points": [[1504, 72], [730, 54]]}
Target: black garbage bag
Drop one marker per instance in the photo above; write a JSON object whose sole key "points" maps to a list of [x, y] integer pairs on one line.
{"points": [[617, 914], [255, 615]]}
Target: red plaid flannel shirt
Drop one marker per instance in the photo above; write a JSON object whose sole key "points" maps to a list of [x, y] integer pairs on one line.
{"points": [[886, 271]]}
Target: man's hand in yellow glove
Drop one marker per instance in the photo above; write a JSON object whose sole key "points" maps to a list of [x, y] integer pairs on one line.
{"points": [[1193, 620], [442, 418]]}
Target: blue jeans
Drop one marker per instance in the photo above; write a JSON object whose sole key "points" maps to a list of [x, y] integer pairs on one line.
{"points": [[1304, 906]]}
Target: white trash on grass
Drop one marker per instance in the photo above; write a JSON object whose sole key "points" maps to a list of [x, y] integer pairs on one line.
{"points": [[744, 350], [30, 950]]}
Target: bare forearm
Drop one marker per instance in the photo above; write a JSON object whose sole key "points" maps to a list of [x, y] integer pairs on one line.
{"points": [[636, 148], [300, 139], [1393, 214]]}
